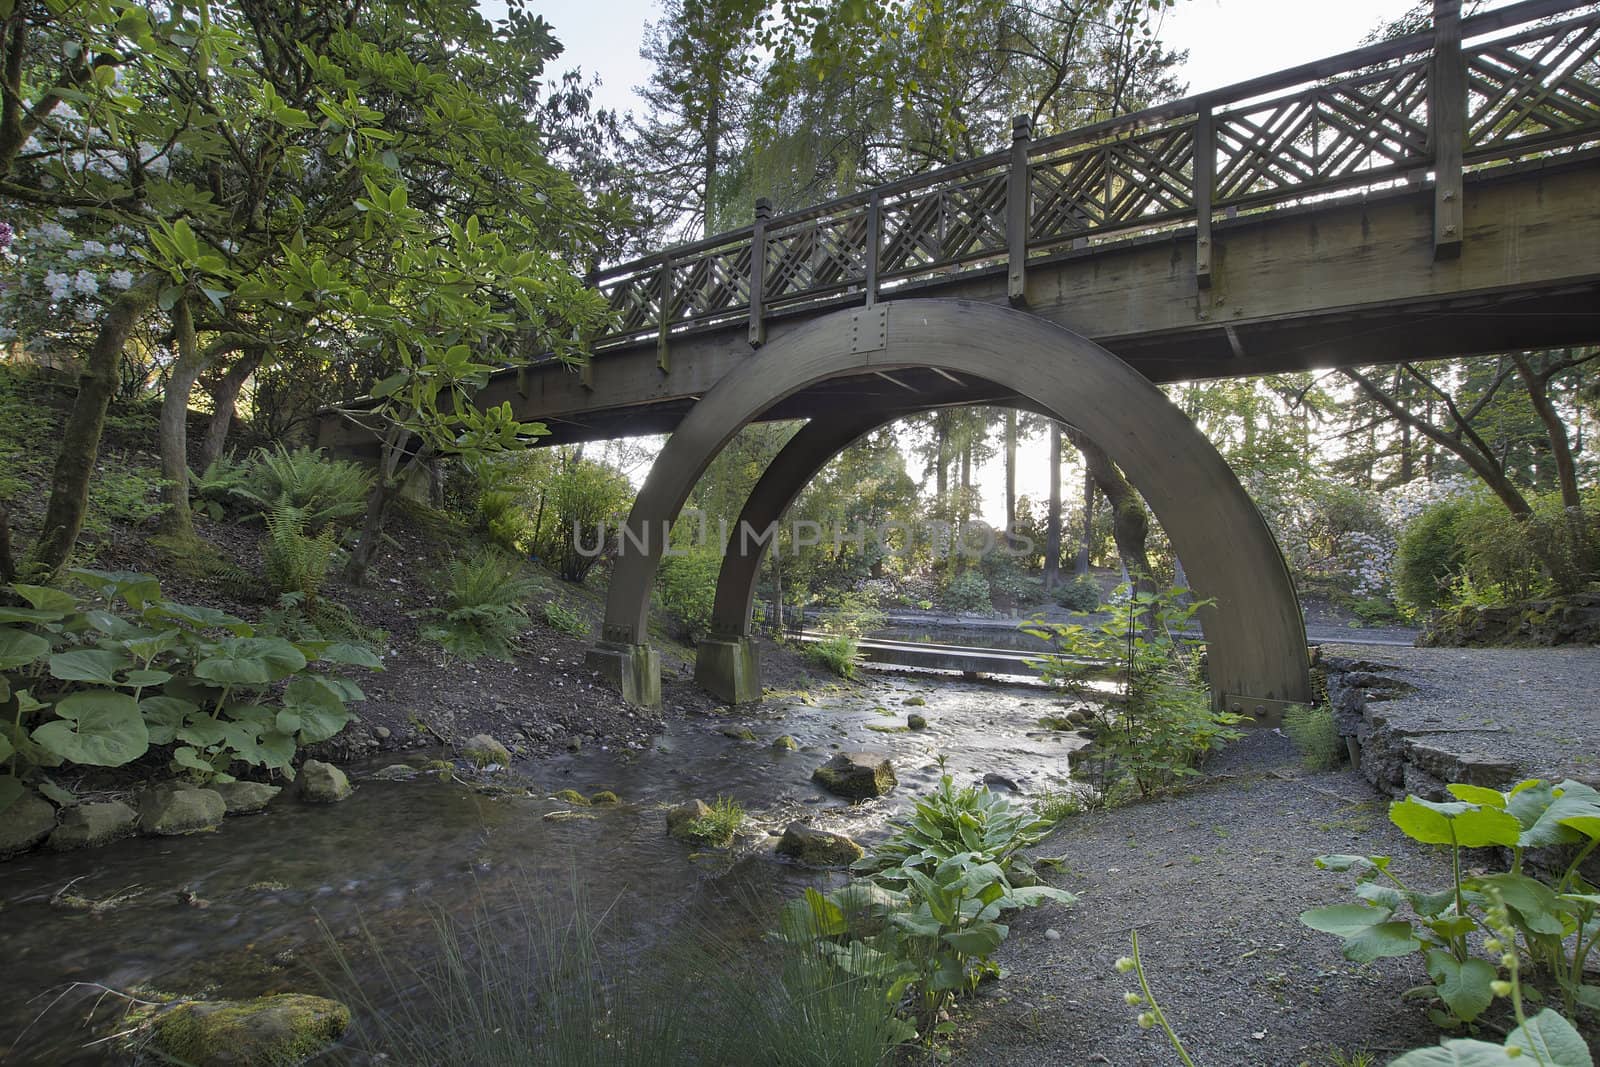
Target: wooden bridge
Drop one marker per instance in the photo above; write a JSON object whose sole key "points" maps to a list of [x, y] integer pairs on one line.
{"points": [[1433, 196]]}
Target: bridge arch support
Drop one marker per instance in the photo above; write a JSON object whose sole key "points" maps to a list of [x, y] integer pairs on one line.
{"points": [[1254, 630]]}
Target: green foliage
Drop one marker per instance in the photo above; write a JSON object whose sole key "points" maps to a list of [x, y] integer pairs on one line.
{"points": [[1165, 723], [483, 609], [967, 592], [1315, 736], [1082, 594], [686, 587], [838, 653], [100, 680], [928, 917], [1394, 919], [121, 495], [559, 617], [717, 828]]}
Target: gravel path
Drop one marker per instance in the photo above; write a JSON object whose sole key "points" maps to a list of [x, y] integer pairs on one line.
{"points": [[1214, 880]]}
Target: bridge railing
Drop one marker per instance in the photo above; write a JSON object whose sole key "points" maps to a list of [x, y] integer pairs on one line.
{"points": [[1469, 93]]}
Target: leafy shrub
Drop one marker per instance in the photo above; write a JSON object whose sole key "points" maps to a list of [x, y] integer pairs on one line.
{"points": [[559, 617], [1504, 906], [967, 592], [1165, 723], [1080, 594], [103, 679], [851, 614], [686, 585], [952, 821], [580, 498], [1315, 736], [483, 606], [935, 901], [837, 653], [1429, 557]]}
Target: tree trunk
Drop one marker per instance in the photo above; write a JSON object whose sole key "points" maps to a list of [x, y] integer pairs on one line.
{"points": [[1011, 473], [1084, 543], [1130, 526], [8, 562], [80, 437], [173, 431], [224, 398], [1052, 527], [391, 476], [1538, 386]]}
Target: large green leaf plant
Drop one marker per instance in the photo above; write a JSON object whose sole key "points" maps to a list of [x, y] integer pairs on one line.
{"points": [[100, 680], [1556, 921]]}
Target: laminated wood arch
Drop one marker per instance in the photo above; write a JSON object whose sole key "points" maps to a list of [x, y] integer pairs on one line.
{"points": [[1254, 631]]}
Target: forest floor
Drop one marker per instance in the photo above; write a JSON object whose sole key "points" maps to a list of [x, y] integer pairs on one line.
{"points": [[1213, 878]]}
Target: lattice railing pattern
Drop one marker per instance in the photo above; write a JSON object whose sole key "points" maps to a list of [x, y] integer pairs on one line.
{"points": [[713, 281], [1534, 90], [1505, 84], [1105, 187], [945, 225], [816, 256], [1332, 133]]}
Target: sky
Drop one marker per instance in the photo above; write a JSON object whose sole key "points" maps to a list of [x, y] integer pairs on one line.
{"points": [[1228, 41]]}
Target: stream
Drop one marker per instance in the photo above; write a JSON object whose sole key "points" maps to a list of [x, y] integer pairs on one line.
{"points": [[236, 913]]}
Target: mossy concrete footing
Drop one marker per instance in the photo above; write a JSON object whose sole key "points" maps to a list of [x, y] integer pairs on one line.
{"points": [[729, 668], [634, 670]]}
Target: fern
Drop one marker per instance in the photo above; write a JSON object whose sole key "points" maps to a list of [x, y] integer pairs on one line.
{"points": [[296, 563], [220, 486], [322, 490], [483, 612]]}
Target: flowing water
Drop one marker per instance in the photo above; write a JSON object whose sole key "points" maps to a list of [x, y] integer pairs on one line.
{"points": [[236, 913]]}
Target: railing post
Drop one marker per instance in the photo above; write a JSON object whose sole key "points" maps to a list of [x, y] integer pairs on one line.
{"points": [[664, 302], [874, 243], [758, 271], [1205, 162], [1017, 212], [1447, 127]]}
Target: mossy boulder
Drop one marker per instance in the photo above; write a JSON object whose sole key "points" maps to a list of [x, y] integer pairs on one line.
{"points": [[856, 775], [395, 772], [86, 825], [276, 1031], [28, 820], [916, 722], [605, 796], [322, 783], [169, 810], [572, 796], [484, 750], [681, 819], [246, 798], [818, 848], [739, 733], [914, 702], [785, 743]]}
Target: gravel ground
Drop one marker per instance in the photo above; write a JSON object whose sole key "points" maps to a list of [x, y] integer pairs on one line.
{"points": [[1214, 880], [1532, 707]]}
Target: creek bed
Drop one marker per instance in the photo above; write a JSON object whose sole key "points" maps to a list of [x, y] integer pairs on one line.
{"points": [[239, 912]]}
